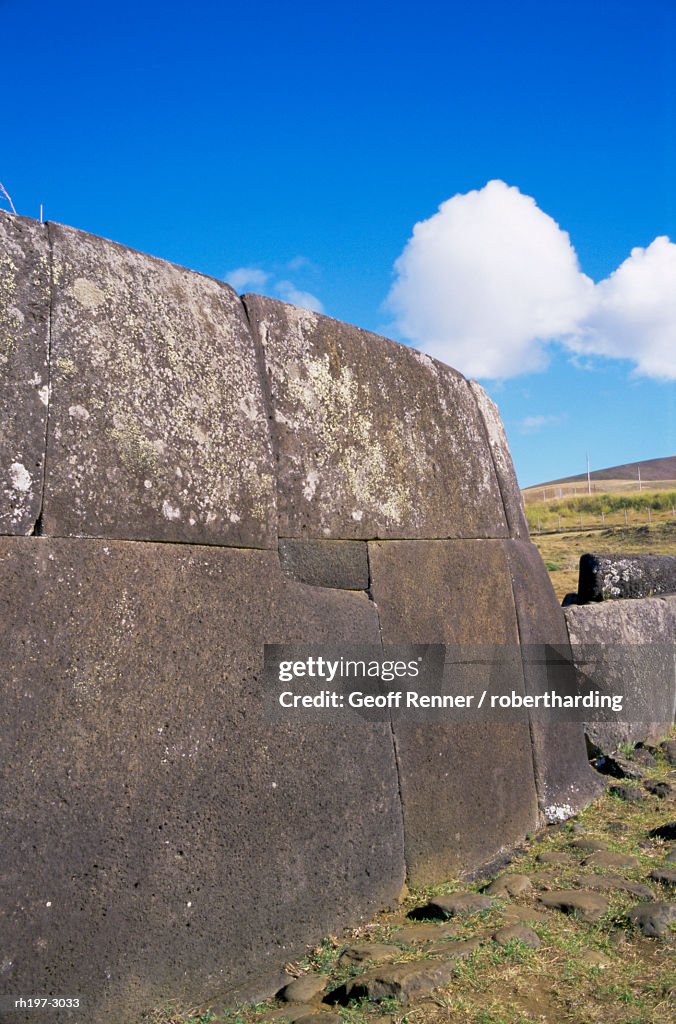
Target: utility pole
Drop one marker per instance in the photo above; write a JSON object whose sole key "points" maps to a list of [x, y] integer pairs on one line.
{"points": [[640, 485], [588, 476]]}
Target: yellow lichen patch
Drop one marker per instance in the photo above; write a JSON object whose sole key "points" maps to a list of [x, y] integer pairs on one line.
{"points": [[137, 452], [87, 293], [339, 408], [11, 318], [66, 367]]}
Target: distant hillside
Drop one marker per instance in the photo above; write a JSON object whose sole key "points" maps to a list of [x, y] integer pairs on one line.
{"points": [[651, 469]]}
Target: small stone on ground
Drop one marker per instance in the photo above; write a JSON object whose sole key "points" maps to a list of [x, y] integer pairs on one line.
{"points": [[663, 790], [401, 981], [609, 859], [653, 919], [457, 905], [632, 794], [589, 906], [665, 876], [555, 858], [304, 989], [517, 932], [369, 951], [509, 885]]}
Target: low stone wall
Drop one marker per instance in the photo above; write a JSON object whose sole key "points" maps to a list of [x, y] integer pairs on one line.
{"points": [[628, 648], [185, 476]]}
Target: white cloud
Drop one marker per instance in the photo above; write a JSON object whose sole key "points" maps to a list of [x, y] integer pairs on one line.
{"points": [[287, 291], [635, 313], [532, 424], [243, 278], [490, 281]]}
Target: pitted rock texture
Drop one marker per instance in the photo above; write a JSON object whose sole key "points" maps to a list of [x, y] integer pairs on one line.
{"points": [[160, 798], [565, 782], [455, 593], [373, 439], [604, 577], [502, 459], [157, 428], [627, 648], [340, 564], [136, 745], [24, 370]]}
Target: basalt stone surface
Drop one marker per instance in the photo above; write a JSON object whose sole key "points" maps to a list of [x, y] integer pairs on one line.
{"points": [[162, 837], [502, 460], [157, 426], [24, 370], [612, 576], [341, 564], [373, 439], [626, 648], [565, 782], [451, 772]]}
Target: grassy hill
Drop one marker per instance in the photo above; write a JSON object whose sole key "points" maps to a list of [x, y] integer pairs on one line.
{"points": [[618, 517], [656, 474]]}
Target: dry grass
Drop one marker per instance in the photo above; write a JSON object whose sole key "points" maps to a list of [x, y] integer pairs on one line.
{"points": [[561, 551]]}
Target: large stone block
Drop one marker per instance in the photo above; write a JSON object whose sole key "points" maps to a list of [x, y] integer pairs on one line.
{"points": [[372, 438], [342, 564], [468, 789], [610, 576], [502, 459], [24, 370], [163, 839], [628, 649], [157, 427], [565, 780]]}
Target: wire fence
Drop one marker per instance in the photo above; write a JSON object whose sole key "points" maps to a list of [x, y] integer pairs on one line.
{"points": [[557, 522]]}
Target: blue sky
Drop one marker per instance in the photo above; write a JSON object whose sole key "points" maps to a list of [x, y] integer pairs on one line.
{"points": [[306, 140]]}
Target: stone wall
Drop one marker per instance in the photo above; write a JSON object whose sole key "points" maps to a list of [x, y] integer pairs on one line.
{"points": [[627, 647], [184, 476]]}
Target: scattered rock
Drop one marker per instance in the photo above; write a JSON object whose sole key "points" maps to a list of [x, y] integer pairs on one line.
{"points": [[589, 906], [665, 876], [304, 989], [455, 950], [666, 831], [671, 856], [416, 934], [619, 766], [515, 915], [456, 905], [658, 788], [668, 749], [369, 951], [556, 857], [509, 885], [588, 845], [618, 826], [603, 883], [632, 794], [413, 980], [517, 931], [653, 919], [609, 859], [641, 755]]}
